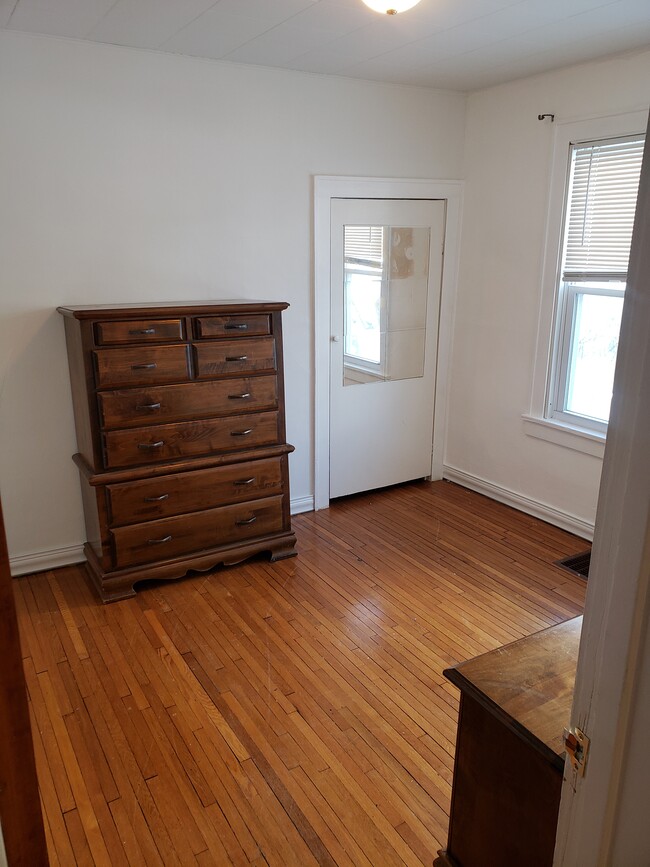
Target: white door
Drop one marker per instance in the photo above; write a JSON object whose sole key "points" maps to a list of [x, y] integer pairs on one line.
{"points": [[386, 269]]}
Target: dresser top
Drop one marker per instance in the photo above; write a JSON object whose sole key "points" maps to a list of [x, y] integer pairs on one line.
{"points": [[170, 308], [528, 684]]}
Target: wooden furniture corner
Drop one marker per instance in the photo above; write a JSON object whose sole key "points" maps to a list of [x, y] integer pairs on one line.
{"points": [[515, 702]]}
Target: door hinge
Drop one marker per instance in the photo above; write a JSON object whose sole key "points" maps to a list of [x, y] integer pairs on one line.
{"points": [[576, 744]]}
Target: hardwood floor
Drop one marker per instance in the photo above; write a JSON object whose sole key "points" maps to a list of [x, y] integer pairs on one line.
{"points": [[287, 714]]}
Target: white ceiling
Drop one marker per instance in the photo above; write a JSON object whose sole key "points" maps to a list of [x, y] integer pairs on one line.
{"points": [[456, 44]]}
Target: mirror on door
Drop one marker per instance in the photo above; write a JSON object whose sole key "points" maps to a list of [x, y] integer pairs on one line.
{"points": [[385, 274]]}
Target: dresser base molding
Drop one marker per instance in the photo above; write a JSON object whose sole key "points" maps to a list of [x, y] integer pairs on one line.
{"points": [[117, 585], [444, 860]]}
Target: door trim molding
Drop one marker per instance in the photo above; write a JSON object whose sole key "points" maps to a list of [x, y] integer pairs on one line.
{"points": [[326, 188]]}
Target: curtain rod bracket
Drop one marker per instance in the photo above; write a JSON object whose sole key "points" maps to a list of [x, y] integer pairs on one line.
{"points": [[544, 116]]}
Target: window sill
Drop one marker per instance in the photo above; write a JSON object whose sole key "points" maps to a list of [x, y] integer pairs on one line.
{"points": [[580, 440]]}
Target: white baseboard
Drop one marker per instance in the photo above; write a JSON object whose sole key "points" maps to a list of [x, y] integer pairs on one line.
{"points": [[302, 504], [554, 516], [39, 561]]}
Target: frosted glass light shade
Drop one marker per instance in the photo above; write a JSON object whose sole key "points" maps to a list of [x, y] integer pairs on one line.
{"points": [[391, 7]]}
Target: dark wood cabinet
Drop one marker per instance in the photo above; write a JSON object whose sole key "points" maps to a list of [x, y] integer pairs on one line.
{"points": [[515, 703], [179, 412], [21, 819]]}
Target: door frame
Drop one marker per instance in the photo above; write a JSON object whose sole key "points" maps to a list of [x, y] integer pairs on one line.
{"points": [[326, 188]]}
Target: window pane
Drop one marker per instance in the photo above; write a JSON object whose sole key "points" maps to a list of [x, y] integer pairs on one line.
{"points": [[593, 355], [362, 304]]}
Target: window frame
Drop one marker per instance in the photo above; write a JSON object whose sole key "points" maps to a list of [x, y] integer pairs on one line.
{"points": [[567, 429]]}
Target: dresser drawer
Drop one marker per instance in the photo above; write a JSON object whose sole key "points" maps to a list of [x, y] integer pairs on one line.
{"points": [[221, 357], [139, 331], [172, 537], [135, 407], [168, 442], [243, 325], [177, 494], [134, 365]]}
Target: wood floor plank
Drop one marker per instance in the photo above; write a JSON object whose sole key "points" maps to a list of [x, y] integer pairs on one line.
{"points": [[289, 713], [142, 811], [283, 846], [340, 827], [47, 734], [189, 806], [138, 846], [90, 754], [58, 840], [82, 856], [235, 795], [275, 774], [66, 616], [83, 787], [166, 798]]}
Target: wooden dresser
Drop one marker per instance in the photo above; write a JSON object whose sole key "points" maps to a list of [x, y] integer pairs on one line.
{"points": [[179, 412], [515, 703]]}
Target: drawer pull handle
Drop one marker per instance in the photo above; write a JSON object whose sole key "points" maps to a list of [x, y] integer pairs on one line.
{"points": [[159, 541], [143, 331], [239, 396], [236, 358], [156, 499], [151, 366], [149, 406], [241, 433], [235, 326], [246, 521], [156, 445], [245, 481]]}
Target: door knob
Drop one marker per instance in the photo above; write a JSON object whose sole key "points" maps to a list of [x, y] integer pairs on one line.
{"points": [[336, 338]]}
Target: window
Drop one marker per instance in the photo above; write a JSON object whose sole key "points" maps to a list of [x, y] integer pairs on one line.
{"points": [[599, 207]]}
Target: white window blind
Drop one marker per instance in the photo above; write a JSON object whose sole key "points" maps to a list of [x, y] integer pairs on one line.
{"points": [[364, 245], [603, 187]]}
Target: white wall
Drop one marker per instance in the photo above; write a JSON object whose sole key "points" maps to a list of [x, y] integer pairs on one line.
{"points": [[507, 171], [128, 176]]}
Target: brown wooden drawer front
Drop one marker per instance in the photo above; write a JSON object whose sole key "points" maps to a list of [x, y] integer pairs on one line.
{"points": [[133, 502], [134, 365], [139, 331], [223, 357], [134, 407], [148, 445], [232, 326], [172, 537]]}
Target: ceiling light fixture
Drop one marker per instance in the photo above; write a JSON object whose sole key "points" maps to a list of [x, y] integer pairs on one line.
{"points": [[391, 7]]}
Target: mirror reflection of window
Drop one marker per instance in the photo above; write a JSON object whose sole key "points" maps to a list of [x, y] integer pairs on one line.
{"points": [[363, 313], [386, 272], [364, 280]]}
